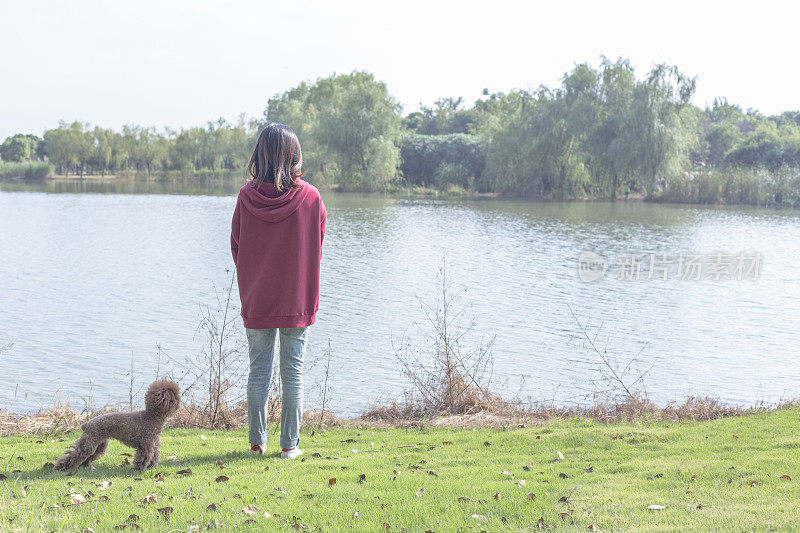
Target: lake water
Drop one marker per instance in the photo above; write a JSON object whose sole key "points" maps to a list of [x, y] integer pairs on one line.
{"points": [[93, 277]]}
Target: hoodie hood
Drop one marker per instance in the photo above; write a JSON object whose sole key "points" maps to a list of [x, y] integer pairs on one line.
{"points": [[269, 208]]}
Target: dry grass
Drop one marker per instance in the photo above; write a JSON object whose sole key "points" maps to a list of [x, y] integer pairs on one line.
{"points": [[506, 414], [58, 419], [61, 419]]}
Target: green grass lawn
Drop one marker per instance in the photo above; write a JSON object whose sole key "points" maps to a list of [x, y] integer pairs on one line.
{"points": [[729, 474]]}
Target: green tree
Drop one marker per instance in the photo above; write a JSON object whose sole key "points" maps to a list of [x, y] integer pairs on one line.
{"points": [[349, 127], [20, 147]]}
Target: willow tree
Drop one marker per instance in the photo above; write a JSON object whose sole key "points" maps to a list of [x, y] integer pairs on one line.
{"points": [[531, 149], [656, 132], [349, 127]]}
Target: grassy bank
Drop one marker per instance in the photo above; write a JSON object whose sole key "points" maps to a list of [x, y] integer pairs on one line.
{"points": [[736, 186], [32, 170], [738, 473]]}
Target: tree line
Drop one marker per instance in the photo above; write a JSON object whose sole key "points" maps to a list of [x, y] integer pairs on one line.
{"points": [[603, 132]]}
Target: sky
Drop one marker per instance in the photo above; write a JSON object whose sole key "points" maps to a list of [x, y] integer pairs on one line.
{"points": [[181, 63]]}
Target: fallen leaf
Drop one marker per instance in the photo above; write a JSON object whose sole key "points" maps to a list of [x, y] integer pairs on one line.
{"points": [[521, 483], [166, 511], [267, 515], [589, 470], [355, 515], [446, 443], [563, 499], [530, 496], [120, 527], [150, 498], [560, 456], [496, 495], [464, 499], [103, 485], [419, 492], [487, 443], [362, 478], [133, 518], [219, 463], [250, 509], [736, 436], [562, 475], [507, 473], [203, 437], [332, 482], [479, 517], [755, 483], [220, 479], [77, 499], [184, 472], [171, 458], [592, 527], [787, 478], [656, 507], [211, 507]]}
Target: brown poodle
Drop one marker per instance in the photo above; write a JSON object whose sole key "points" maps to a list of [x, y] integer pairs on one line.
{"points": [[140, 430]]}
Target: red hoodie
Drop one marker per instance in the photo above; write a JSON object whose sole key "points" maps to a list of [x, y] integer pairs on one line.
{"points": [[276, 241]]}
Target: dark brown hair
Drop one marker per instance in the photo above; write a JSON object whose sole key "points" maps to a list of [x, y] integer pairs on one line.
{"points": [[276, 158]]}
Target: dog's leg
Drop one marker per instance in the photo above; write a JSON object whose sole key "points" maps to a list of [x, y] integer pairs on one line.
{"points": [[80, 451], [155, 454], [98, 453], [140, 459]]}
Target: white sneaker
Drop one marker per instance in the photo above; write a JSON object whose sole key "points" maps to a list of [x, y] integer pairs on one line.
{"points": [[291, 454]]}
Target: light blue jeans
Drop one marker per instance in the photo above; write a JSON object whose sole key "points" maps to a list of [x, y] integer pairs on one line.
{"points": [[293, 343]]}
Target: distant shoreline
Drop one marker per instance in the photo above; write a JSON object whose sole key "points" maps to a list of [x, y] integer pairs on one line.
{"points": [[400, 190]]}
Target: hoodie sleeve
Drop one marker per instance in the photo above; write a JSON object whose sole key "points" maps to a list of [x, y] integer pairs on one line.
{"points": [[235, 233], [323, 218]]}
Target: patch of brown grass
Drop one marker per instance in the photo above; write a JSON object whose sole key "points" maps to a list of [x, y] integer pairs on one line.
{"points": [[506, 414], [58, 419], [62, 419], [500, 415]]}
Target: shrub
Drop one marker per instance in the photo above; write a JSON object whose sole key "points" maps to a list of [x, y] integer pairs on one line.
{"points": [[442, 160]]}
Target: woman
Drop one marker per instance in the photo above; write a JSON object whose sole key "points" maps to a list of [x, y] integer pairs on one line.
{"points": [[276, 240]]}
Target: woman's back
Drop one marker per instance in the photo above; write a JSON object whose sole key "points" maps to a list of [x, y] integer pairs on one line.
{"points": [[276, 241]]}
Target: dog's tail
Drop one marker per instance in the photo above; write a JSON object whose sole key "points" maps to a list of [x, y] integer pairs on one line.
{"points": [[74, 455], [163, 397]]}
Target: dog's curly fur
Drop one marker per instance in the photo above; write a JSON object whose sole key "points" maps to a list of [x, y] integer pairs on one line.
{"points": [[140, 430]]}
